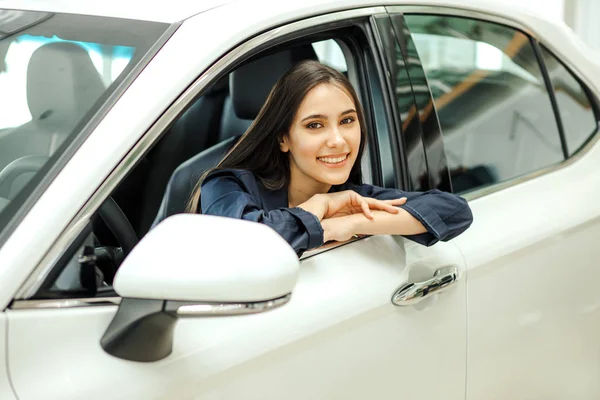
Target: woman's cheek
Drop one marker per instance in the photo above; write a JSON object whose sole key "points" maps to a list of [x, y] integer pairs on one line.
{"points": [[309, 148], [355, 138]]}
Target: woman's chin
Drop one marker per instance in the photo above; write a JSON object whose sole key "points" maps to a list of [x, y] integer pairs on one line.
{"points": [[337, 178]]}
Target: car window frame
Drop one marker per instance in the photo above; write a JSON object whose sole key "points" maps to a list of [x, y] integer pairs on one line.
{"points": [[398, 156], [535, 41], [594, 101], [423, 118], [245, 49]]}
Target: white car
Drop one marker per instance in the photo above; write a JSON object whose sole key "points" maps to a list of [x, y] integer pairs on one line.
{"points": [[111, 111]]}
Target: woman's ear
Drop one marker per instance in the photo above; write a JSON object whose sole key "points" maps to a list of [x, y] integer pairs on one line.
{"points": [[283, 144]]}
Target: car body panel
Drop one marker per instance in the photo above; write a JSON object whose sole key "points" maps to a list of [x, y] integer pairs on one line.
{"points": [[338, 337], [534, 309], [170, 78], [152, 10], [341, 302], [6, 391]]}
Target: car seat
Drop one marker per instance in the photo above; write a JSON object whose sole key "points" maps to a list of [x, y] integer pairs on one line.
{"points": [[249, 87]]}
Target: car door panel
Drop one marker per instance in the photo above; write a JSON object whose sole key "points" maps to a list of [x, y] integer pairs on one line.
{"points": [[338, 337], [534, 307], [6, 391]]}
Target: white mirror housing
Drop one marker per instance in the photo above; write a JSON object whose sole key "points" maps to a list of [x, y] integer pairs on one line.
{"points": [[196, 266], [191, 257]]}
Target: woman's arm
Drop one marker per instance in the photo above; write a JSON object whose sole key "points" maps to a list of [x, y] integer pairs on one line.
{"points": [[343, 228], [224, 194], [328, 205], [432, 216]]}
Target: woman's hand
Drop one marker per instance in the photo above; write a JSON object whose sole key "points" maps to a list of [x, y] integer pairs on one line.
{"points": [[338, 229], [348, 202]]}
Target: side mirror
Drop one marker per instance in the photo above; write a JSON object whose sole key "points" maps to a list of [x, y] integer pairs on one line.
{"points": [[194, 266]]}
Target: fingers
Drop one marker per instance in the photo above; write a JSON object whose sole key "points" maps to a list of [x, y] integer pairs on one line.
{"points": [[387, 205], [389, 208], [396, 202], [351, 202], [364, 204]]}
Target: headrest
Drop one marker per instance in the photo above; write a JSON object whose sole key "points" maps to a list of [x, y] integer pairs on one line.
{"points": [[62, 83], [251, 83]]}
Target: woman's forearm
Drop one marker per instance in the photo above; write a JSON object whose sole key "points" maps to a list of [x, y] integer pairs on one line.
{"points": [[388, 224], [343, 228]]}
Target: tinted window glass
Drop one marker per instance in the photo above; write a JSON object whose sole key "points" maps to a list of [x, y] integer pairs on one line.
{"points": [[410, 127], [494, 108], [576, 112]]}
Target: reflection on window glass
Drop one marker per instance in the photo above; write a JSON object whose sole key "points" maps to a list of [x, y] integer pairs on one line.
{"points": [[493, 105], [54, 69], [109, 62], [576, 112]]}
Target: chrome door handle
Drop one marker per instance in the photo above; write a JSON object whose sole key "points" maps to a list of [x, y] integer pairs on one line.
{"points": [[412, 293]]}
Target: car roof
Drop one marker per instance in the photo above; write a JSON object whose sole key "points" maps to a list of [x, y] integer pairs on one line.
{"points": [[177, 10], [149, 10]]}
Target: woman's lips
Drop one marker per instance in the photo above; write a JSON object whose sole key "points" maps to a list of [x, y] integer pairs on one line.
{"points": [[336, 161]]}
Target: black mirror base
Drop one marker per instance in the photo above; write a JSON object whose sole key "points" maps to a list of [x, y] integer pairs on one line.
{"points": [[142, 330]]}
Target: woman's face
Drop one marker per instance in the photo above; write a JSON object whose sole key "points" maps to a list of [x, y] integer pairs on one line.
{"points": [[324, 138]]}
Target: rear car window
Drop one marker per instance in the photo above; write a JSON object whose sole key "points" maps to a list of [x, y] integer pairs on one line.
{"points": [[492, 100], [576, 111]]}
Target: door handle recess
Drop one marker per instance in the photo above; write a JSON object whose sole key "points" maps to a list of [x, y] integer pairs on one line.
{"points": [[411, 293]]}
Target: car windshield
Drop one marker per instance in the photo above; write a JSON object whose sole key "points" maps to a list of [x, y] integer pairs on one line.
{"points": [[56, 72]]}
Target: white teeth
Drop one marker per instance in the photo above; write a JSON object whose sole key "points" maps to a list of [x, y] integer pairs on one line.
{"points": [[330, 160]]}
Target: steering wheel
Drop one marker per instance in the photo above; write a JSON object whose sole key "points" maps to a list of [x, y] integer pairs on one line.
{"points": [[109, 211], [118, 224]]}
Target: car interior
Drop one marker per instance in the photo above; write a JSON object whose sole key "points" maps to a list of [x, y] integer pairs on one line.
{"points": [[162, 182], [56, 104], [200, 137], [53, 72]]}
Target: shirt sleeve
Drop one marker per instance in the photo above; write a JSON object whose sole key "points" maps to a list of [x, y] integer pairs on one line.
{"points": [[443, 214], [226, 196]]}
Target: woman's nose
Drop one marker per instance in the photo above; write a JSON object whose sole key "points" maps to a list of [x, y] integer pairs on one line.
{"points": [[335, 138]]}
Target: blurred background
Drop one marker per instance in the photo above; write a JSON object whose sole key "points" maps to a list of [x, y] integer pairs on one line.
{"points": [[580, 15]]}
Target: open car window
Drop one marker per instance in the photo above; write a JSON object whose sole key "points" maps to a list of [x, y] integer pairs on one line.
{"points": [[160, 186]]}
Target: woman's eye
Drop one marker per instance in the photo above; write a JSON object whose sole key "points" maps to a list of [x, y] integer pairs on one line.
{"points": [[314, 125], [348, 120]]}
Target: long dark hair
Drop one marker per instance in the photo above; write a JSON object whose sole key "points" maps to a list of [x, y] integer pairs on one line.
{"points": [[258, 149]]}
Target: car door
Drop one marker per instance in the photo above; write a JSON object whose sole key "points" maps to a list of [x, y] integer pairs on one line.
{"points": [[515, 123], [6, 391], [340, 336]]}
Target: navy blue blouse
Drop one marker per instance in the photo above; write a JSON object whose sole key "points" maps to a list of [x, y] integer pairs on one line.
{"points": [[238, 194]]}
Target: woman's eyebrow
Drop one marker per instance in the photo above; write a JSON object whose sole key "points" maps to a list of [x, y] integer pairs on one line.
{"points": [[315, 116], [322, 116]]}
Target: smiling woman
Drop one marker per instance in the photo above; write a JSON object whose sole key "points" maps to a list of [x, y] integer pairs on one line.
{"points": [[323, 142], [295, 170]]}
